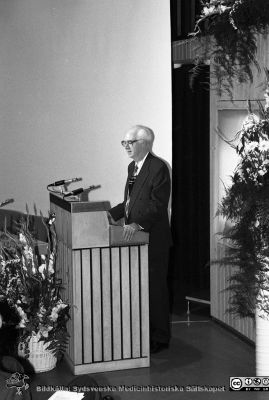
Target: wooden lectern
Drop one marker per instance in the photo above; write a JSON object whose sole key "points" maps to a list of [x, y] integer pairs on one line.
{"points": [[106, 281]]}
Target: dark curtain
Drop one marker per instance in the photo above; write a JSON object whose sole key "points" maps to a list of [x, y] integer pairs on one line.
{"points": [[184, 14], [190, 197]]}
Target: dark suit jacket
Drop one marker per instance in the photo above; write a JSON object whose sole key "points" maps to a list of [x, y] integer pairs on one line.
{"points": [[149, 201]]}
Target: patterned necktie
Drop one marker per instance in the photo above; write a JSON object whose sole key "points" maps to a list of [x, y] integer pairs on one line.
{"points": [[132, 179], [131, 182]]}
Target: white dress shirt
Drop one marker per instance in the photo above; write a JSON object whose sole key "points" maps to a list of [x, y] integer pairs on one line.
{"points": [[140, 164]]}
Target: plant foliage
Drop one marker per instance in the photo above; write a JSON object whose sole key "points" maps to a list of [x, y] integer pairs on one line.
{"points": [[246, 205], [227, 32], [28, 283]]}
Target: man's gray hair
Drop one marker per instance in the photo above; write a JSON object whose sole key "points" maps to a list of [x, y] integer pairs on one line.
{"points": [[146, 133]]}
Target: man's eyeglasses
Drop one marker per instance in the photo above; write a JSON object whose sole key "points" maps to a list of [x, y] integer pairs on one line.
{"points": [[124, 143]]}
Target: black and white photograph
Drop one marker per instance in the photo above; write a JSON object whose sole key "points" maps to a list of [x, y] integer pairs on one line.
{"points": [[134, 212]]}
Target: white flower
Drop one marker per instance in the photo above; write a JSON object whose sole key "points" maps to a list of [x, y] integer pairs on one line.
{"points": [[54, 316], [208, 10], [223, 8], [251, 146], [22, 238], [266, 260], [24, 264], [28, 252], [51, 264], [44, 330], [55, 311], [23, 316], [51, 220], [240, 173], [21, 324], [21, 312], [266, 95], [250, 121], [3, 263], [264, 145], [262, 172], [41, 270]]}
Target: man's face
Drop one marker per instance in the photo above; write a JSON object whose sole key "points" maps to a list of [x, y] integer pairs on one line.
{"points": [[137, 150]]}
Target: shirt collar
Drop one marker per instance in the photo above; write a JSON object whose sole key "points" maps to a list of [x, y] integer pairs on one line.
{"points": [[140, 163]]}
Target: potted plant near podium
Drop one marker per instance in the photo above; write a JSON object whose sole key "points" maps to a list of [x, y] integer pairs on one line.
{"points": [[246, 205], [28, 284]]}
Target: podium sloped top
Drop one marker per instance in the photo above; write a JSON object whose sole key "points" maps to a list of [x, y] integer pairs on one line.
{"points": [[86, 225], [79, 206]]}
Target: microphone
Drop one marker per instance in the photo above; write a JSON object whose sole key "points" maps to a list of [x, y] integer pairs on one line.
{"points": [[81, 190], [65, 182]]}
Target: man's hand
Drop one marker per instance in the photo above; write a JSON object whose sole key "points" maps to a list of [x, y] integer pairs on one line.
{"points": [[111, 219], [129, 231]]}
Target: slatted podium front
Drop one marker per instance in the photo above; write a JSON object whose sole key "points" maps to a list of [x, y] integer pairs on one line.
{"points": [[106, 281]]}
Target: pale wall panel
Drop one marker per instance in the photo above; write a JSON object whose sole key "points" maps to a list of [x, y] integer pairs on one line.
{"points": [[74, 75]]}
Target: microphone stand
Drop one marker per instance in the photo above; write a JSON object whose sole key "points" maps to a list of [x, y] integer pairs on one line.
{"points": [[61, 189], [75, 195]]}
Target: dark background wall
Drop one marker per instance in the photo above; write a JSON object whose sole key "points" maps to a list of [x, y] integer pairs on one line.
{"points": [[189, 269], [183, 17]]}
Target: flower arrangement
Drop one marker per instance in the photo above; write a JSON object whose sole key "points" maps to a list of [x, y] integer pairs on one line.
{"points": [[246, 205], [227, 32], [28, 284]]}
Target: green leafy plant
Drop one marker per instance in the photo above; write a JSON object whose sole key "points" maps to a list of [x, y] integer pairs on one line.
{"points": [[227, 32], [28, 283]]}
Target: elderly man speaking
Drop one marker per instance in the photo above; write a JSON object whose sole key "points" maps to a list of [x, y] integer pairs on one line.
{"points": [[145, 204]]}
